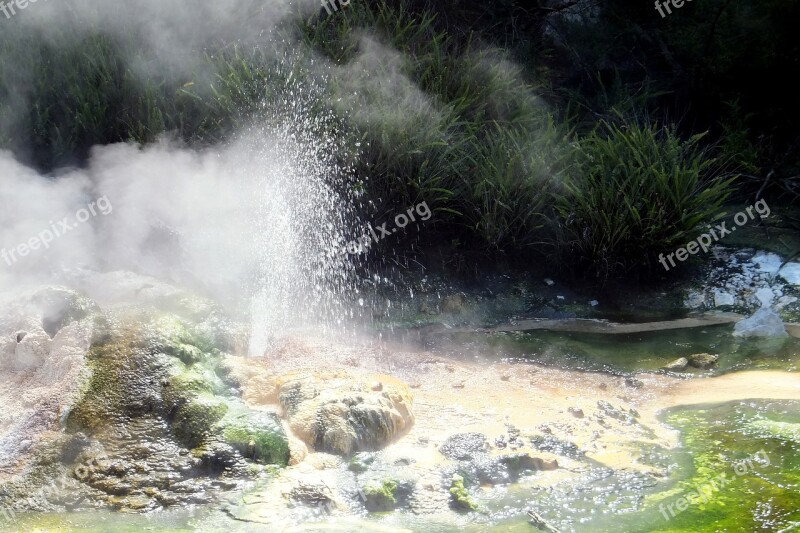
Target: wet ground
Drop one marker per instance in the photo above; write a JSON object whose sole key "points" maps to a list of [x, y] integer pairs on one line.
{"points": [[617, 471]]}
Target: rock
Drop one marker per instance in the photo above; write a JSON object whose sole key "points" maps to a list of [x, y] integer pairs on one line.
{"points": [[678, 365], [61, 307], [791, 273], [380, 498], [258, 436], [316, 494], [8, 347], [181, 387], [361, 462], [32, 348], [634, 383], [298, 450], [549, 282], [577, 413], [454, 304], [613, 412], [765, 296], [464, 446], [338, 412], [763, 323], [703, 360], [554, 445], [694, 300], [783, 301], [215, 455], [377, 386], [519, 462], [767, 263], [723, 298], [477, 463], [195, 419]]}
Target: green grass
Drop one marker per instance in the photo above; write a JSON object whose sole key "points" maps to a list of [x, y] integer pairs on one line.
{"points": [[419, 114], [633, 192]]}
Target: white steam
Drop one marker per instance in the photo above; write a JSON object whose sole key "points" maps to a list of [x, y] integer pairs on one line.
{"points": [[258, 218]]}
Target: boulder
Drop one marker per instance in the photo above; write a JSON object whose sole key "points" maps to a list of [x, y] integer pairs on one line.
{"points": [[454, 304], [763, 323], [678, 365], [381, 497], [464, 446], [703, 360], [341, 413], [33, 345], [258, 436]]}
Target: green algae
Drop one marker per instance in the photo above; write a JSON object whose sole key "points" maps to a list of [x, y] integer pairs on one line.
{"points": [[740, 461], [460, 498], [194, 420], [381, 498], [258, 437]]}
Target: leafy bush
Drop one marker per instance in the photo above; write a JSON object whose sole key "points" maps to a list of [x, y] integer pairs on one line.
{"points": [[458, 125], [634, 192], [507, 189]]}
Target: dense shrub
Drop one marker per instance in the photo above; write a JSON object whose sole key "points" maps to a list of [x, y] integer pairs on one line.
{"points": [[426, 109], [633, 192]]}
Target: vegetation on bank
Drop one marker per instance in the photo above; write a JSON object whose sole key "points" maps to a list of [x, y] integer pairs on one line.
{"points": [[598, 139]]}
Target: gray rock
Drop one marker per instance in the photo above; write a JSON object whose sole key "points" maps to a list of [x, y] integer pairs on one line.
{"points": [[703, 360], [678, 365], [723, 298], [454, 304], [464, 446], [577, 413], [763, 323], [554, 445], [618, 414]]}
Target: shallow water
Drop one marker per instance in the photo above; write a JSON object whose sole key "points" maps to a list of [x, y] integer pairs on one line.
{"points": [[759, 497], [628, 353], [765, 497]]}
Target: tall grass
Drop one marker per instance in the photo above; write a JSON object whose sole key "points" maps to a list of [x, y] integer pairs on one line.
{"points": [[477, 143], [73, 95], [633, 192], [431, 116]]}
